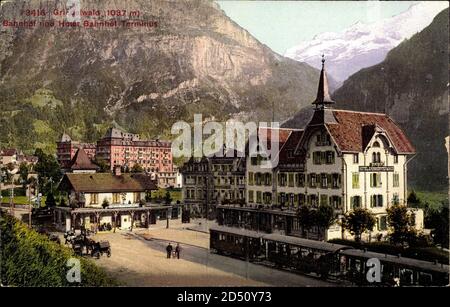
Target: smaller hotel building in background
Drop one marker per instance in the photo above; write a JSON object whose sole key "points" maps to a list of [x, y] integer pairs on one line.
{"points": [[119, 148]]}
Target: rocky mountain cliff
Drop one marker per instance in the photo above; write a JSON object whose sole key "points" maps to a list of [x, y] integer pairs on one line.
{"points": [[80, 80], [411, 85]]}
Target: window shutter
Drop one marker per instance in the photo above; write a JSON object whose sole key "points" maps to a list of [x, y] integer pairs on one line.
{"points": [[329, 180], [352, 198], [371, 180], [378, 180]]}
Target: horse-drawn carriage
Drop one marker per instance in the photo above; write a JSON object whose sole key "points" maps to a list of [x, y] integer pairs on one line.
{"points": [[83, 245], [99, 248]]}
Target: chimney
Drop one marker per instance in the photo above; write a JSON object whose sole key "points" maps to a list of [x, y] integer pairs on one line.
{"points": [[117, 170]]}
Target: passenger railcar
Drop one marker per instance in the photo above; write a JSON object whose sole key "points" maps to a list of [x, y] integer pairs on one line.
{"points": [[325, 259], [241, 243], [395, 270], [306, 256]]}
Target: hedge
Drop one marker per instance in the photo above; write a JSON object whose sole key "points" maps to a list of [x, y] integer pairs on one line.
{"points": [[30, 259]]}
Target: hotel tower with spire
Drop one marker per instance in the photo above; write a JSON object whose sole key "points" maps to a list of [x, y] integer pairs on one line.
{"points": [[342, 158]]}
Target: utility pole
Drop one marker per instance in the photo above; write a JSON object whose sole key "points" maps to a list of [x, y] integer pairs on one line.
{"points": [[11, 199], [29, 205], [1, 183]]}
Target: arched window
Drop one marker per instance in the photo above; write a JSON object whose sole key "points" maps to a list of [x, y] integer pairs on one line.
{"points": [[376, 144], [376, 157]]}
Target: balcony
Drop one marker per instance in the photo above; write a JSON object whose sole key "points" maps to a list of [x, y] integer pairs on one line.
{"points": [[377, 164]]}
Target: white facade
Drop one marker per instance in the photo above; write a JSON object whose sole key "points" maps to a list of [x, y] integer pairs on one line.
{"points": [[374, 179], [121, 199]]}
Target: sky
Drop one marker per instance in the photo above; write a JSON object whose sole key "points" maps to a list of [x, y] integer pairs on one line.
{"points": [[283, 24]]}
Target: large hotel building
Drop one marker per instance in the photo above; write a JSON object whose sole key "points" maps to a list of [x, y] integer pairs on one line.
{"points": [[342, 158]]}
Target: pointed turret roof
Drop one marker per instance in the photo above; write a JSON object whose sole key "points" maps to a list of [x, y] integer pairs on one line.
{"points": [[81, 161], [65, 138], [323, 96]]}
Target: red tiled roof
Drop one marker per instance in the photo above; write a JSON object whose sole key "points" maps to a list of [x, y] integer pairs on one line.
{"points": [[283, 135], [266, 132], [8, 152], [289, 146], [353, 130]]}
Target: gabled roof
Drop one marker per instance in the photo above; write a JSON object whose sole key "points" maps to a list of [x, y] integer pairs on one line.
{"points": [[287, 151], [353, 130], [107, 182], [269, 135], [81, 161]]}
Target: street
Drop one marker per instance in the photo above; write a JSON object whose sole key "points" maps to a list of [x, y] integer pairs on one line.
{"points": [[137, 261]]}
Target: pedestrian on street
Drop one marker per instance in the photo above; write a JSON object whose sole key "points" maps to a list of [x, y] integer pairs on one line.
{"points": [[169, 249], [178, 250]]}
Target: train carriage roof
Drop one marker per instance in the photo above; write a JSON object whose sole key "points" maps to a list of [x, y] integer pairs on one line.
{"points": [[237, 231], [410, 262], [325, 246]]}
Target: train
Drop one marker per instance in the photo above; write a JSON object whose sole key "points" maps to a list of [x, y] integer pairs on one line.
{"points": [[326, 260]]}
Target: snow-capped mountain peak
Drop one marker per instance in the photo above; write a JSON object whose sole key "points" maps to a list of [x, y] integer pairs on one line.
{"points": [[362, 45]]}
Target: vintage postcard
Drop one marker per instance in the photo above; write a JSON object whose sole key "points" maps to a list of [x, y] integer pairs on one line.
{"points": [[218, 144]]}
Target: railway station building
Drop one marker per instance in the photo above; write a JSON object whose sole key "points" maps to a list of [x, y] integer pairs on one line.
{"points": [[109, 201]]}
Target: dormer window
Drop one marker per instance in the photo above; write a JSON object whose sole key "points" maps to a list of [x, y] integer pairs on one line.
{"points": [[290, 153], [323, 139], [395, 159]]}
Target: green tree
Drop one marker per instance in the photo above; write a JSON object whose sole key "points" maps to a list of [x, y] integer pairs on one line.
{"points": [[358, 221], [104, 167], [167, 198], [6, 175], [30, 259], [48, 170], [50, 202], [137, 168], [402, 224], [439, 222], [325, 217], [306, 218], [23, 174], [413, 200]]}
